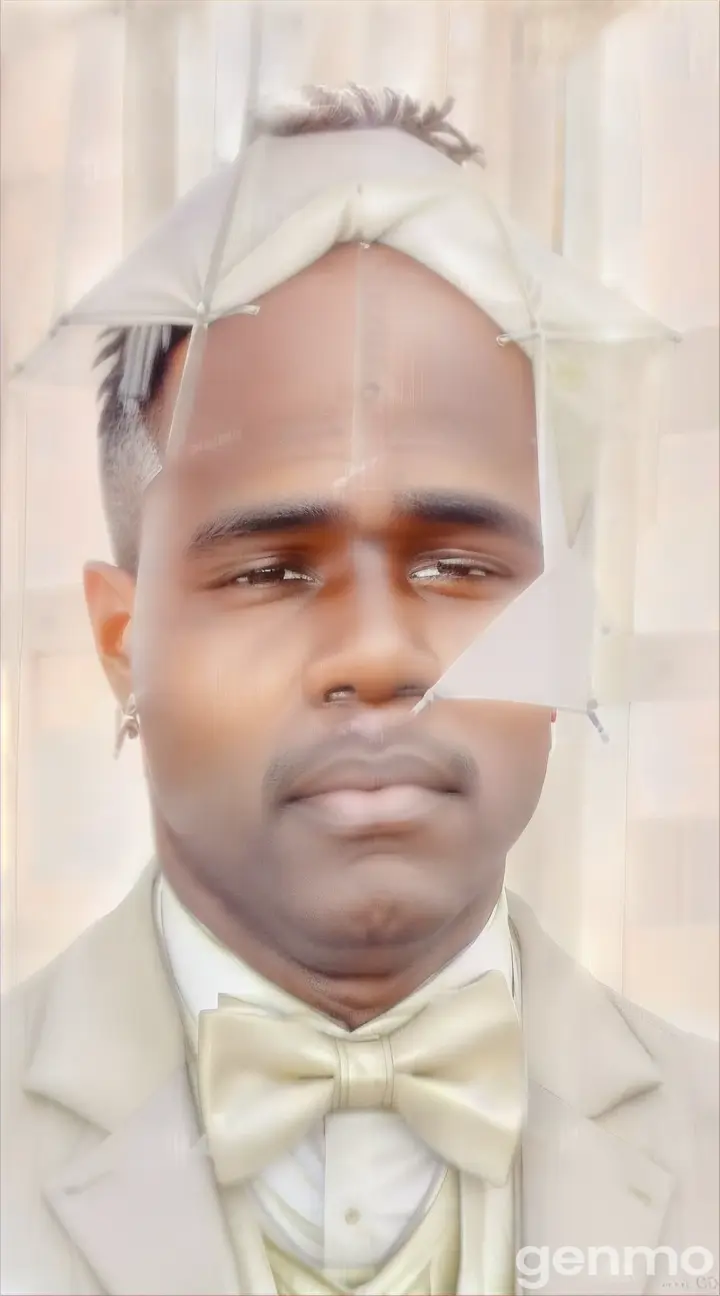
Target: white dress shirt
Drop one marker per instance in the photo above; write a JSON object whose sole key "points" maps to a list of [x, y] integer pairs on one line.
{"points": [[357, 1186]]}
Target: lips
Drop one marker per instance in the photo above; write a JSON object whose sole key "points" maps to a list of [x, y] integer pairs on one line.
{"points": [[373, 773], [377, 792]]}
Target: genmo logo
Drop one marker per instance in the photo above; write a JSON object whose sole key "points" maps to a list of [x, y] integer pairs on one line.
{"points": [[535, 1265]]}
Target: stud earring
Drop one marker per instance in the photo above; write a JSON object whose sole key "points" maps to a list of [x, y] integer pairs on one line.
{"points": [[128, 724]]}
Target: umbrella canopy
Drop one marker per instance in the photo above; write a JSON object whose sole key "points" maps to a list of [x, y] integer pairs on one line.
{"points": [[281, 206]]}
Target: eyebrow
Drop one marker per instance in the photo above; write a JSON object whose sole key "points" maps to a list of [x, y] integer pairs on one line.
{"points": [[432, 507]]}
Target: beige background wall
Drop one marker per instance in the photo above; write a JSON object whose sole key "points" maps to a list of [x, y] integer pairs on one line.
{"points": [[599, 121]]}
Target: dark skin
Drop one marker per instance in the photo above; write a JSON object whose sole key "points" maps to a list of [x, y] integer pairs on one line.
{"points": [[354, 497]]}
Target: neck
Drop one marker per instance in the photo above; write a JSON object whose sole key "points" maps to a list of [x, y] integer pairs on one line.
{"points": [[355, 995]]}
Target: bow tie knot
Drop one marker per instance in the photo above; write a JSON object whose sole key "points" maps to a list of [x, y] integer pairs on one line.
{"points": [[455, 1073], [364, 1075]]}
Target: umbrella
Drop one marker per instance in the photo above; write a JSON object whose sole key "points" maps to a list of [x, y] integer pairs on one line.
{"points": [[286, 201]]}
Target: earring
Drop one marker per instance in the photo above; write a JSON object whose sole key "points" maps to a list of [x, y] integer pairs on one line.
{"points": [[128, 725]]}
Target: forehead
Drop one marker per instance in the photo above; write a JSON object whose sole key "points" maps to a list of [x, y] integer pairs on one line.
{"points": [[366, 366]]}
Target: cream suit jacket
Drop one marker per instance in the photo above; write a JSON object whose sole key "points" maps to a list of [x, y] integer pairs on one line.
{"points": [[106, 1188]]}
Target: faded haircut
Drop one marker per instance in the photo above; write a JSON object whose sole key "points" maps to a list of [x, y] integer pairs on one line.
{"points": [[136, 359]]}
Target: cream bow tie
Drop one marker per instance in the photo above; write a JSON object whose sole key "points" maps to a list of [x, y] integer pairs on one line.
{"points": [[455, 1073]]}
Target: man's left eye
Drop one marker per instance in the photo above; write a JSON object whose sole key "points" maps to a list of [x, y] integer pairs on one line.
{"points": [[271, 574], [441, 569]]}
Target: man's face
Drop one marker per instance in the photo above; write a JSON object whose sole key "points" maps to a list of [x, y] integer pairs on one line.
{"points": [[354, 499]]}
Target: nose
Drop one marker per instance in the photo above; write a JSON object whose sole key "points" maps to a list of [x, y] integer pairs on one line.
{"points": [[370, 648]]}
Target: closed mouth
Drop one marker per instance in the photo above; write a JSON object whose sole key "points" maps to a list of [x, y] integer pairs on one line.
{"points": [[376, 794], [374, 774]]}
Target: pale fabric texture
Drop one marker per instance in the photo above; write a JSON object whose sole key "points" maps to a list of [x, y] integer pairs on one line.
{"points": [[601, 137], [354, 1189], [427, 1264], [446, 1252], [106, 1187]]}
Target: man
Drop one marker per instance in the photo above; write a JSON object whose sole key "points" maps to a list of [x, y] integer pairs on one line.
{"points": [[294, 1058]]}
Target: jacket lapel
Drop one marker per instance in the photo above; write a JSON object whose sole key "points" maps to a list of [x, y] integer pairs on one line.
{"points": [[596, 1107], [140, 1205], [584, 1189]]}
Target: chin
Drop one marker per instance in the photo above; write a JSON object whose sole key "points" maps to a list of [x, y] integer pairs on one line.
{"points": [[389, 901]]}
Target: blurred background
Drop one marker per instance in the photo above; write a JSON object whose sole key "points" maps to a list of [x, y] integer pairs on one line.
{"points": [[599, 119]]}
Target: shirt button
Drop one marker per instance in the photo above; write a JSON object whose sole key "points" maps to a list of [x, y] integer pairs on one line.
{"points": [[352, 1216]]}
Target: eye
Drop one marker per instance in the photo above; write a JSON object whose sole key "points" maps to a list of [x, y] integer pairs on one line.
{"points": [[268, 575], [454, 569]]}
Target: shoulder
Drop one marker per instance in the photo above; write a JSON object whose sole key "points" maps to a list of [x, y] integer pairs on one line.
{"points": [[22, 1011], [689, 1063], [618, 1046], [37, 1139], [88, 976]]}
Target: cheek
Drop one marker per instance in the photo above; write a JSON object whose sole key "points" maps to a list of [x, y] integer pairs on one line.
{"points": [[511, 744], [209, 694], [450, 625]]}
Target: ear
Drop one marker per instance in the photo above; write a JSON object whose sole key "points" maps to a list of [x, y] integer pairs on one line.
{"points": [[110, 597]]}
